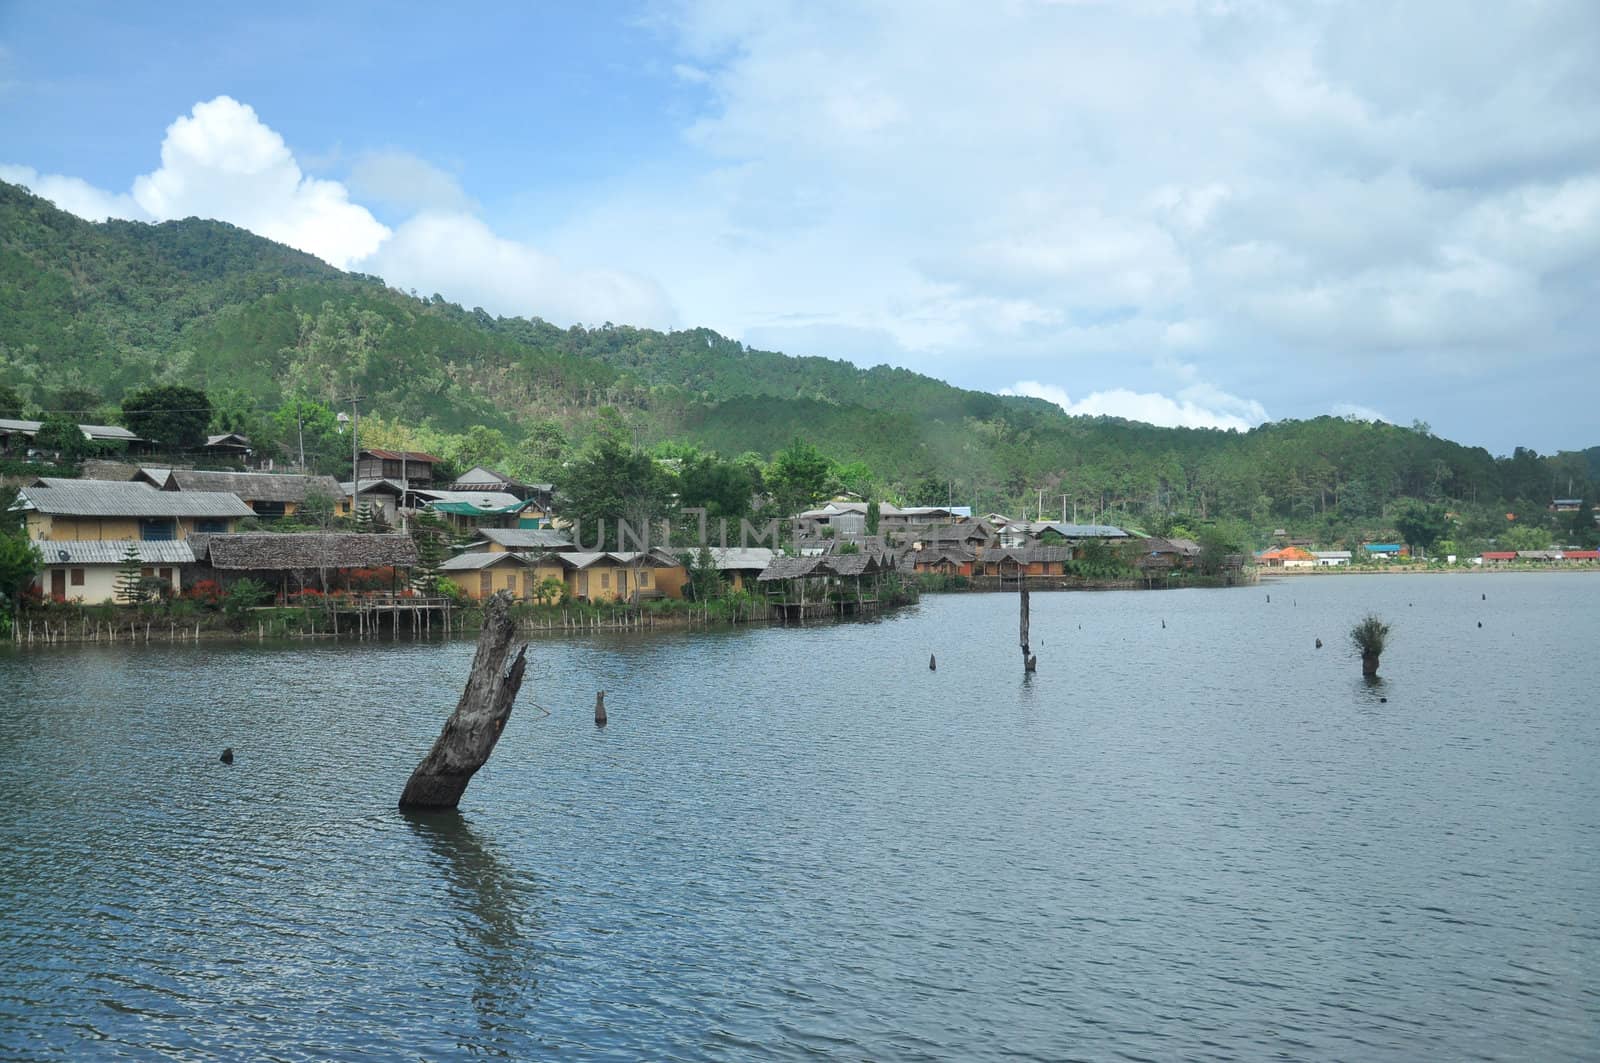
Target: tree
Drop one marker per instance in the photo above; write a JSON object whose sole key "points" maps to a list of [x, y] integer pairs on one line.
{"points": [[1369, 636], [429, 532], [798, 477], [612, 483], [1421, 524], [1585, 535], [705, 581], [334, 352], [76, 402], [931, 490], [169, 414], [19, 565], [1525, 537], [723, 488], [130, 576], [61, 435], [10, 401], [302, 426], [873, 514]]}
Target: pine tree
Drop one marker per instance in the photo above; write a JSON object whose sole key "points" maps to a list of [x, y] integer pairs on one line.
{"points": [[130, 573], [364, 519], [429, 532]]}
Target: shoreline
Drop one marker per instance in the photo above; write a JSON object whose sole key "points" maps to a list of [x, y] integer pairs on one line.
{"points": [[1431, 570]]}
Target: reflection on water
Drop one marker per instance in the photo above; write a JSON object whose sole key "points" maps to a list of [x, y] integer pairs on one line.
{"points": [[495, 909], [1190, 835]]}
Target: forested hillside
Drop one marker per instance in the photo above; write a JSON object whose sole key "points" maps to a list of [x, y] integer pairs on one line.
{"points": [[277, 340]]}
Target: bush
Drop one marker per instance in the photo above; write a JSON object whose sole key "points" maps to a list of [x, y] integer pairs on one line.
{"points": [[244, 594], [1369, 636]]}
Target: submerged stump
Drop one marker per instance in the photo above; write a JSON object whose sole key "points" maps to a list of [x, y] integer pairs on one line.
{"points": [[472, 730], [1029, 662]]}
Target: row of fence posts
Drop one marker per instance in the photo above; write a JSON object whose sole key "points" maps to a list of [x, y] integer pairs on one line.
{"points": [[46, 633]]}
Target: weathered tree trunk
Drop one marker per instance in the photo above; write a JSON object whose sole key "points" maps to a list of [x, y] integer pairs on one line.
{"points": [[1029, 662], [1369, 664], [472, 730]]}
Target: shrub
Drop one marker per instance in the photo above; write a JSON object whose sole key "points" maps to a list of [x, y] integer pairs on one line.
{"points": [[1369, 636]]}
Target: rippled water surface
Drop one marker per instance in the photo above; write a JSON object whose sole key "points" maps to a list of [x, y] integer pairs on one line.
{"points": [[1208, 840]]}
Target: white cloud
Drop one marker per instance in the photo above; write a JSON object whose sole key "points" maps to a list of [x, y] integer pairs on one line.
{"points": [[221, 161], [1185, 411], [73, 194], [1359, 412], [403, 180], [459, 256]]}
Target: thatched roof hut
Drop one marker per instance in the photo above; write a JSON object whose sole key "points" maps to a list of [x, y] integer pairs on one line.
{"points": [[268, 552]]}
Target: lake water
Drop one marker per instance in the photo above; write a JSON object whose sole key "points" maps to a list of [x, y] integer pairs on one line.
{"points": [[1205, 841]]}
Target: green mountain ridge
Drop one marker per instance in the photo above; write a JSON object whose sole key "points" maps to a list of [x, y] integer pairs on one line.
{"points": [[108, 307]]}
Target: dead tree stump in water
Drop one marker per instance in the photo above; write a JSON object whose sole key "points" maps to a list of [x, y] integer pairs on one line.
{"points": [[472, 730], [1029, 662]]}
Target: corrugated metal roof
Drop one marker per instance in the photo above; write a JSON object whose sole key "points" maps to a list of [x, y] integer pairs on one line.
{"points": [[261, 486], [108, 431], [370, 485], [471, 562], [90, 431], [727, 558], [403, 455], [1077, 531], [527, 538], [585, 558], [112, 551], [108, 498]]}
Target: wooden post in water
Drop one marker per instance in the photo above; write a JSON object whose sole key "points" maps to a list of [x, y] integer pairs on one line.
{"points": [[600, 708], [472, 730], [1029, 662]]}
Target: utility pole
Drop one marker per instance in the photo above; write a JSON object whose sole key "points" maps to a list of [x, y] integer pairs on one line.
{"points": [[1063, 509], [300, 424], [355, 455], [1041, 505]]}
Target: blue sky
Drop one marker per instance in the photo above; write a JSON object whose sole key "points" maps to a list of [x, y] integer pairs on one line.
{"points": [[1183, 211]]}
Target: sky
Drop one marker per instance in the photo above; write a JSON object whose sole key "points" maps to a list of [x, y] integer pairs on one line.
{"points": [[1188, 212]]}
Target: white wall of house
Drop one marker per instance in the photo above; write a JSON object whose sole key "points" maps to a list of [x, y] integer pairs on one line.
{"points": [[97, 583]]}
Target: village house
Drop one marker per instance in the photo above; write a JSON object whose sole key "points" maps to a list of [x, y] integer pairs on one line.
{"points": [[480, 478], [948, 560], [410, 467], [520, 540], [269, 495], [292, 563], [617, 575], [17, 436], [973, 536], [383, 498], [739, 567], [1331, 558], [59, 510], [822, 584], [1387, 551], [1054, 533], [1286, 557], [1011, 563], [227, 446], [482, 573], [84, 529], [1156, 554], [75, 570], [464, 510]]}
